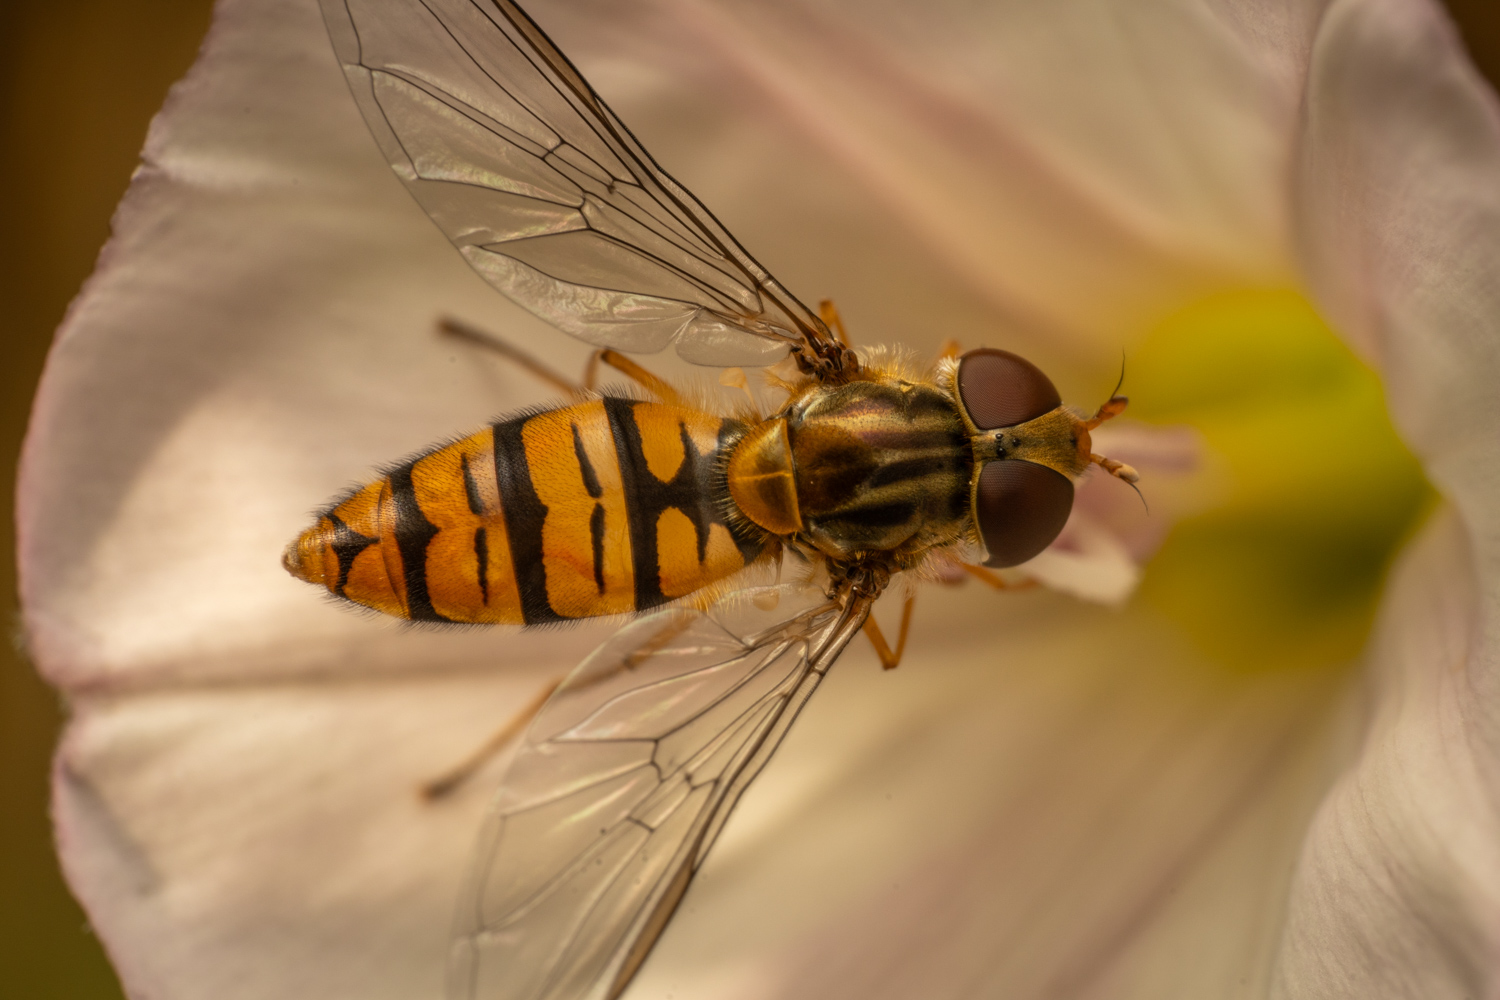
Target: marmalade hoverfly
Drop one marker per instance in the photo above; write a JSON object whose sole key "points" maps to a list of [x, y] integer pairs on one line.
{"points": [[614, 503]]}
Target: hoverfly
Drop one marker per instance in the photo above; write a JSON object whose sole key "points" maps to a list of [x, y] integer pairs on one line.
{"points": [[614, 504]]}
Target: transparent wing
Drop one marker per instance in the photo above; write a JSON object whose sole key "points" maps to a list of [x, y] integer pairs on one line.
{"points": [[624, 780], [545, 192]]}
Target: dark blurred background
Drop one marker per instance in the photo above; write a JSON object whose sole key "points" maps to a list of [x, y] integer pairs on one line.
{"points": [[82, 79]]}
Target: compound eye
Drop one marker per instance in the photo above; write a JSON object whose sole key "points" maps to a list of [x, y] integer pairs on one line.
{"points": [[1001, 389], [1021, 507]]}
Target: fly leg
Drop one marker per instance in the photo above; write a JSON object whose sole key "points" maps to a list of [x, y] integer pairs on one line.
{"points": [[734, 378], [888, 659], [994, 579], [829, 314], [654, 384], [487, 340], [483, 338], [450, 780]]}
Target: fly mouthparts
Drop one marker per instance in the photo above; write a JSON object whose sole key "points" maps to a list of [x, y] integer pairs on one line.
{"points": [[1117, 469]]}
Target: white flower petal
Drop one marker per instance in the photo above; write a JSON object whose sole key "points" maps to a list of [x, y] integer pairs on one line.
{"points": [[259, 334], [271, 842], [1398, 890], [1398, 886], [1070, 805], [1069, 207], [1066, 798]]}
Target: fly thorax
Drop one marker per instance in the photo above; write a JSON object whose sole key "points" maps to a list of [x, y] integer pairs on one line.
{"points": [[879, 467]]}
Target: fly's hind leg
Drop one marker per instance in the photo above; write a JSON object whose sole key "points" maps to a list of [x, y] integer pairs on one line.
{"points": [[447, 782], [487, 340], [890, 660], [483, 338], [450, 780]]}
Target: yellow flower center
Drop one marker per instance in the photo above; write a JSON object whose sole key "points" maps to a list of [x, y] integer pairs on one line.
{"points": [[1318, 492]]}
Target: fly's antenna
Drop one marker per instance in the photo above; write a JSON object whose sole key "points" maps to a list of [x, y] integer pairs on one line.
{"points": [[1111, 408], [1121, 382], [1114, 406]]}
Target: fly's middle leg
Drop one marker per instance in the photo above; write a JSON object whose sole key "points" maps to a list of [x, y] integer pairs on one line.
{"points": [[890, 659]]}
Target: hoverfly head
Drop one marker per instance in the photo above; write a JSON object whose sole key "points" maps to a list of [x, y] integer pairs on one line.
{"points": [[1028, 449]]}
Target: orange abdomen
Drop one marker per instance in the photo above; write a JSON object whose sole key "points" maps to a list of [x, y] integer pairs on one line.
{"points": [[602, 507]]}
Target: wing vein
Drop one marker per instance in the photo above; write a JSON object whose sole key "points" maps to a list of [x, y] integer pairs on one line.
{"points": [[570, 890], [473, 105]]}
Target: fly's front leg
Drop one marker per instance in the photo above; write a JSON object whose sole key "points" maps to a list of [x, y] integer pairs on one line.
{"points": [[829, 314], [994, 579], [888, 659]]}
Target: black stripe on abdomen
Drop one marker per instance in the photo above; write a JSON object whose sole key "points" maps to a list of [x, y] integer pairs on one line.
{"points": [[413, 532], [596, 543], [690, 491], [641, 509], [524, 515], [482, 559], [347, 544]]}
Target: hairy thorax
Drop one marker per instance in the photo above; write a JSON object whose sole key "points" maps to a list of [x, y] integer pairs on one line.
{"points": [[879, 466]]}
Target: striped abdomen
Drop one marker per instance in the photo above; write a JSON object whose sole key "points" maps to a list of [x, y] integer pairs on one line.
{"points": [[603, 507]]}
